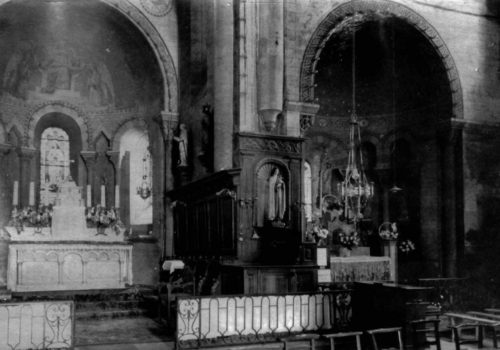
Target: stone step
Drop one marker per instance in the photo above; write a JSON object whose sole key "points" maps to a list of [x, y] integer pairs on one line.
{"points": [[109, 313], [106, 304]]}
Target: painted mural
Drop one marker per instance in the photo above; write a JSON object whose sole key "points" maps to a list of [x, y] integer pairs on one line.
{"points": [[57, 71]]}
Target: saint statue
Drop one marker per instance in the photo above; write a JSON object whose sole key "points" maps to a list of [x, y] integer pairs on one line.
{"points": [[277, 196], [182, 144]]}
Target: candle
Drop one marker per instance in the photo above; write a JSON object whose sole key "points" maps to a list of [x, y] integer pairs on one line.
{"points": [[15, 195], [32, 194], [117, 196], [103, 196], [89, 196]]}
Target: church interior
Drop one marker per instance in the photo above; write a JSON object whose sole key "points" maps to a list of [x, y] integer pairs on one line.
{"points": [[238, 173]]}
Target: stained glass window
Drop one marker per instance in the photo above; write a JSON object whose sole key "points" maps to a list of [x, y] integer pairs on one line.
{"points": [[54, 162]]}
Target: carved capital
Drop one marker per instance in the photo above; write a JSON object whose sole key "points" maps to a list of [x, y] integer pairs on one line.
{"points": [[5, 149], [88, 157], [307, 112], [114, 157], [27, 153]]}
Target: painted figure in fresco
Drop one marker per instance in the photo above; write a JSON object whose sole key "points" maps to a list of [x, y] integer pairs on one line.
{"points": [[277, 196]]}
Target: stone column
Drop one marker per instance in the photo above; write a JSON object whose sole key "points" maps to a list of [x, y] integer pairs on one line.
{"points": [[114, 157], [449, 195], [270, 62], [5, 188], [89, 160], [170, 123], [28, 174], [223, 85]]}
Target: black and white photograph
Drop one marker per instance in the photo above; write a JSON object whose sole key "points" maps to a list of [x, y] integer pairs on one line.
{"points": [[249, 174]]}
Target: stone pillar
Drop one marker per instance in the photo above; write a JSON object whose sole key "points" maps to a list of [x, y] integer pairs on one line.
{"points": [[223, 85], [270, 62], [28, 174], [89, 160], [430, 207], [449, 206], [114, 157], [5, 188], [170, 123]]}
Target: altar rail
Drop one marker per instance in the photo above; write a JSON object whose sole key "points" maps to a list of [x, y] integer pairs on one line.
{"points": [[37, 325], [226, 320]]}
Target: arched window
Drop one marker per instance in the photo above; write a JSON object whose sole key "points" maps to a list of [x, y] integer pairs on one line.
{"points": [[54, 162], [308, 192], [135, 165]]}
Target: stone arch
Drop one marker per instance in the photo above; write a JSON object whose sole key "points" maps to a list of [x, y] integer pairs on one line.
{"points": [[325, 29], [164, 58], [37, 112], [134, 123]]}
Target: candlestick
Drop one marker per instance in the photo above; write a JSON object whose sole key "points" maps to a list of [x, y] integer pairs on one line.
{"points": [[117, 196], [103, 196], [32, 194], [15, 195], [89, 196]]}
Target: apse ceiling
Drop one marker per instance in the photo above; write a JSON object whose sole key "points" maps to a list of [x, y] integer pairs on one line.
{"points": [[80, 51]]}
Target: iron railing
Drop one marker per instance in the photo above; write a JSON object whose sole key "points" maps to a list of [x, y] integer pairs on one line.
{"points": [[217, 320], [37, 325]]}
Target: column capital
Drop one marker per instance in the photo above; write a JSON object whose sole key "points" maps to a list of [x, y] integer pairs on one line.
{"points": [[27, 153], [170, 122], [88, 156], [307, 112], [113, 156], [5, 148]]}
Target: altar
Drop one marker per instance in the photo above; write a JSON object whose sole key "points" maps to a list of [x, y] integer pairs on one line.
{"points": [[360, 268], [68, 255]]}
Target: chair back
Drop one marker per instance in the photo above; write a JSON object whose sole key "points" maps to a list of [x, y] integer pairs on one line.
{"points": [[386, 338]]}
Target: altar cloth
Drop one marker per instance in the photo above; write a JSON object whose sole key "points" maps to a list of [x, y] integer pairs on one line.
{"points": [[360, 268]]}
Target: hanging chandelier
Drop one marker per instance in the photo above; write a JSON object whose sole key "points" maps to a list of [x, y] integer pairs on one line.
{"points": [[144, 190], [355, 190]]}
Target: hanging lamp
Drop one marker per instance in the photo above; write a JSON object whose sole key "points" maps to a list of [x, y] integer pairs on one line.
{"points": [[355, 190]]}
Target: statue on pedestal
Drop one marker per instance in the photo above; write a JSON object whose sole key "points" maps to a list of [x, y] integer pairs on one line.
{"points": [[277, 196]]}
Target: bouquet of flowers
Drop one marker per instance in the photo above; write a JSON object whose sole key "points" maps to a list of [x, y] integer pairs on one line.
{"points": [[406, 246], [388, 231], [32, 217], [320, 235], [349, 239], [100, 216]]}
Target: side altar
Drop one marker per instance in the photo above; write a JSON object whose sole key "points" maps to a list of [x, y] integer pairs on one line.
{"points": [[67, 255]]}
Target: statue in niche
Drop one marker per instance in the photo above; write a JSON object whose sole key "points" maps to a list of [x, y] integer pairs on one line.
{"points": [[277, 196], [182, 146]]}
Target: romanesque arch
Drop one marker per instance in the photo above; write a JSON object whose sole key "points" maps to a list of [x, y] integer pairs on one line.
{"points": [[325, 29]]}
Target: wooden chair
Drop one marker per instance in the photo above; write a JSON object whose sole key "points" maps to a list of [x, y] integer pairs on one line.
{"points": [[421, 328], [386, 333], [296, 341], [478, 329], [179, 285], [333, 336]]}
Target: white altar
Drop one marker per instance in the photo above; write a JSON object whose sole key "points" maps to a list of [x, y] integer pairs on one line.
{"points": [[68, 255]]}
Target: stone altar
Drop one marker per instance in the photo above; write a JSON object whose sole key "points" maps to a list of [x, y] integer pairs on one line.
{"points": [[68, 255]]}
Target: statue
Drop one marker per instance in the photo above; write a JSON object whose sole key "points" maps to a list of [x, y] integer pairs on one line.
{"points": [[277, 196], [182, 145]]}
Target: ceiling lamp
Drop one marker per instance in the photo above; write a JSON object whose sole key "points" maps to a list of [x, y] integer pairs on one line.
{"points": [[355, 190]]}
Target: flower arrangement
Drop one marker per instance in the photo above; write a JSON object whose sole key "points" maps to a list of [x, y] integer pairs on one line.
{"points": [[320, 235], [406, 246], [32, 217], [100, 216], [349, 239], [388, 231]]}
